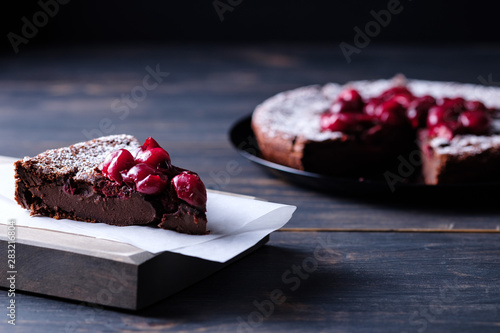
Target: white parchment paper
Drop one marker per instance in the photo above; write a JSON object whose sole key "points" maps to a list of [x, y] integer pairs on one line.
{"points": [[235, 224]]}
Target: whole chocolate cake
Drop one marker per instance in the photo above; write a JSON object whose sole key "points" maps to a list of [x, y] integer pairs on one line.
{"points": [[367, 128]]}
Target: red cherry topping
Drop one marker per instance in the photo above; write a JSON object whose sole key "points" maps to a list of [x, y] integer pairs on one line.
{"points": [[438, 114], [116, 162], [350, 95], [349, 100], [144, 171], [403, 99], [418, 109], [154, 157], [135, 151], [397, 106], [371, 107], [150, 143], [455, 105], [442, 130], [344, 107], [151, 184], [474, 122], [190, 188], [475, 105], [398, 90], [335, 122], [392, 113], [344, 122], [138, 172]]}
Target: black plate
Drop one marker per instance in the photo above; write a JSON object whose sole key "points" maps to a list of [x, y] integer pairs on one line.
{"points": [[243, 139]]}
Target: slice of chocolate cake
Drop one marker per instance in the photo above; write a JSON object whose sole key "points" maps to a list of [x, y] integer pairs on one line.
{"points": [[113, 180], [461, 159]]}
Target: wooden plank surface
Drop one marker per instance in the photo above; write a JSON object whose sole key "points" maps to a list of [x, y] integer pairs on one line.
{"points": [[370, 282], [328, 282]]}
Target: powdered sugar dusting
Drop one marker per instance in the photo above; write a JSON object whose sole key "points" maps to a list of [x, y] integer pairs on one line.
{"points": [[81, 158], [465, 144], [297, 112]]}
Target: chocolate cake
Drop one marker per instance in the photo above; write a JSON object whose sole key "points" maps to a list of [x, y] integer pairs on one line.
{"points": [[112, 180], [366, 129]]}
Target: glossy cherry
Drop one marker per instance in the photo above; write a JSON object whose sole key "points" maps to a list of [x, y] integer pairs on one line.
{"points": [[138, 172], [151, 184], [116, 162], [344, 107], [398, 90], [443, 130], [439, 114], [455, 105], [418, 109], [344, 122], [474, 122], [392, 113], [371, 106], [144, 171], [150, 143], [403, 99], [190, 188], [349, 100], [475, 105], [335, 122], [154, 157]]}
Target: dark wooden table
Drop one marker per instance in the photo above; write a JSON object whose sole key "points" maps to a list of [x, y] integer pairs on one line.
{"points": [[343, 264]]}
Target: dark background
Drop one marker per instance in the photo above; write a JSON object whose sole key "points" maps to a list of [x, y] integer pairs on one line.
{"points": [[154, 21]]}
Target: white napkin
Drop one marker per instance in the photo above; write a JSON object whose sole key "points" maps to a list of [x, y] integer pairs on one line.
{"points": [[235, 225]]}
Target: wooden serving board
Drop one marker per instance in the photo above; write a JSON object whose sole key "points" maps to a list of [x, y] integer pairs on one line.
{"points": [[98, 271]]}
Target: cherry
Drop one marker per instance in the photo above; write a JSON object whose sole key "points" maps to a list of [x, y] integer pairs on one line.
{"points": [[455, 105], [150, 143], [137, 172], [344, 106], [426, 99], [442, 130], [418, 109], [398, 90], [135, 151], [190, 188], [438, 114], [115, 162], [349, 100], [146, 179], [403, 99], [392, 113], [154, 157], [344, 122], [152, 154], [474, 122], [121, 166], [371, 107], [475, 105], [350, 94], [151, 184], [335, 122]]}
